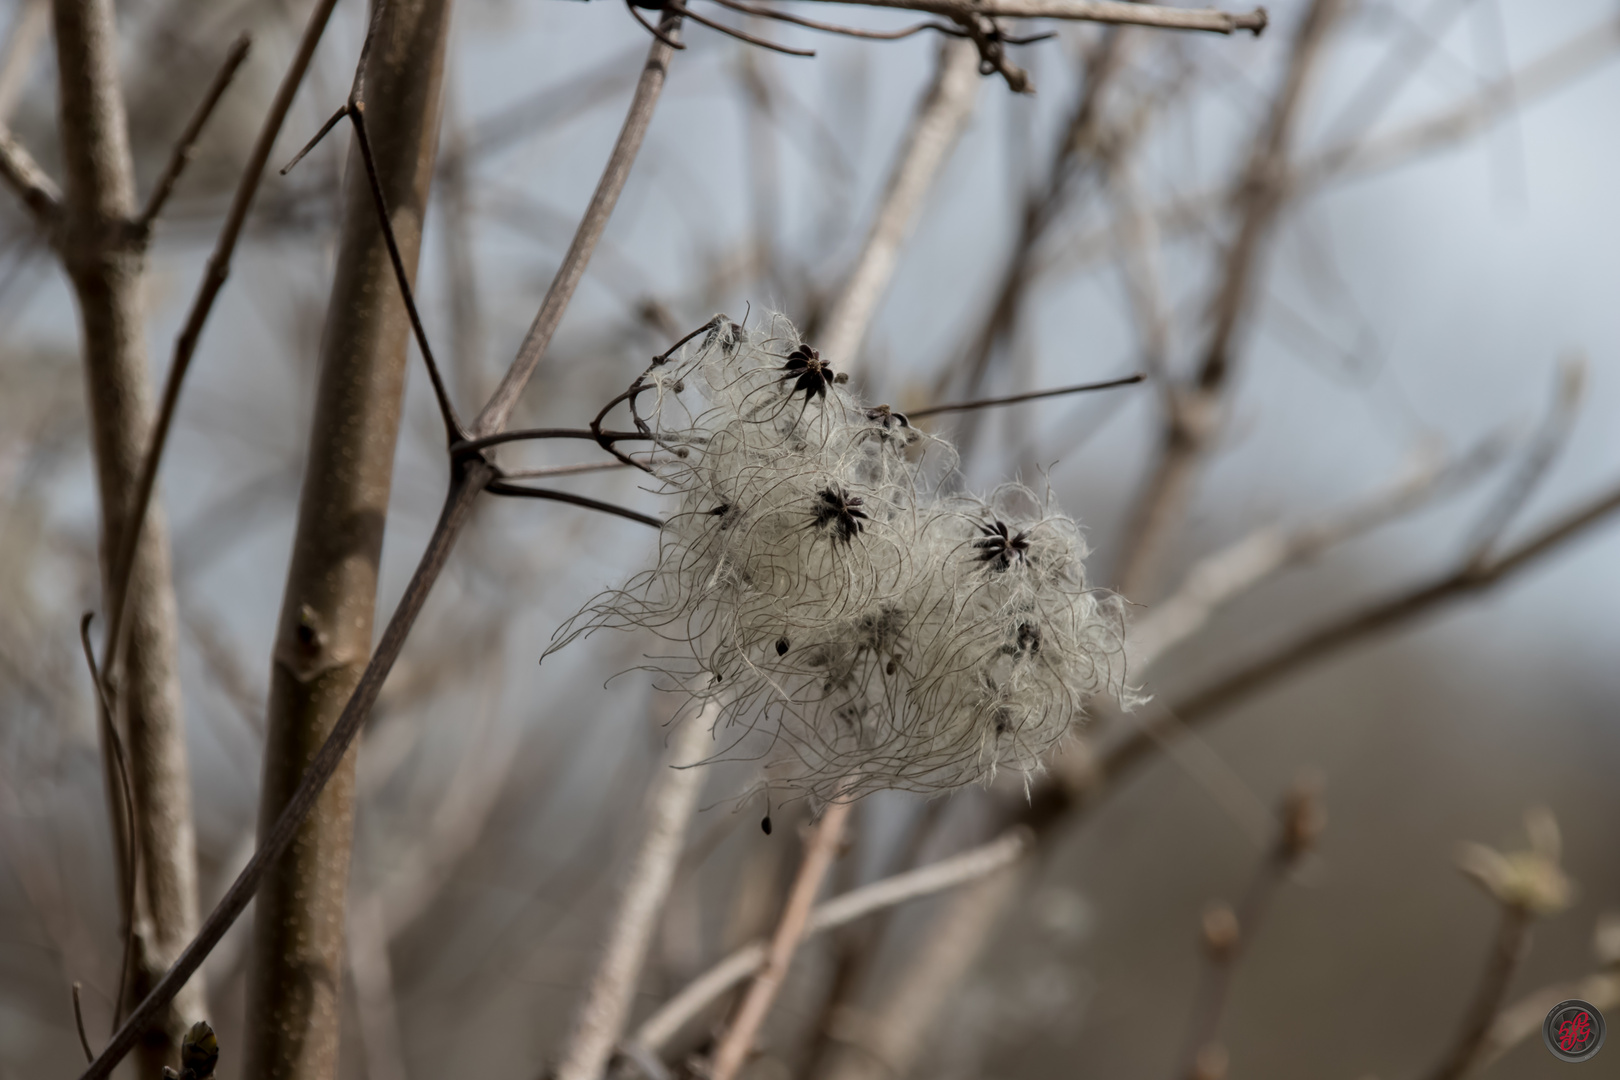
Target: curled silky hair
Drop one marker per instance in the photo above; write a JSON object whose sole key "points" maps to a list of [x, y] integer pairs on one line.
{"points": [[854, 627]]}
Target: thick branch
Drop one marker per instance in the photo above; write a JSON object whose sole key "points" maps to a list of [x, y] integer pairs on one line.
{"points": [[324, 632]]}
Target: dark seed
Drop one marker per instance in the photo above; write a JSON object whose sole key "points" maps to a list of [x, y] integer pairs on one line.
{"points": [[890, 669], [781, 646], [765, 824]]}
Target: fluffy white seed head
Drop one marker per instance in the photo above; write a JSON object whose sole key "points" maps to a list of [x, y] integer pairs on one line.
{"points": [[857, 629]]}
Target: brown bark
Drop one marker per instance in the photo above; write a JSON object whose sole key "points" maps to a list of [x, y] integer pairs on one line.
{"points": [[323, 640], [105, 261], [1194, 416]]}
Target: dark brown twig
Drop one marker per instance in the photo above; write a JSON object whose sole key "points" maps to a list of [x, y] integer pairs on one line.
{"points": [[454, 432], [730, 31], [180, 156], [501, 487], [833, 28], [78, 1022], [990, 403], [130, 851]]}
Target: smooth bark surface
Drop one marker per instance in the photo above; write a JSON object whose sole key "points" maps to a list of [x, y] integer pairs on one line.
{"points": [[323, 640], [105, 262]]}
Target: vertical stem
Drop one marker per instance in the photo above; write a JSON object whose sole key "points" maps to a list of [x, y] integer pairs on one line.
{"points": [[1193, 419], [1512, 934], [669, 808], [323, 639], [738, 1041], [105, 263], [941, 117]]}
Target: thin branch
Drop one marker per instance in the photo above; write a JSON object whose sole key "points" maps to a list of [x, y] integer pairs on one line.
{"points": [[469, 476], [990, 403], [669, 809], [1507, 950], [22, 173], [1361, 624], [1217, 579], [560, 470], [78, 1022], [941, 117], [500, 487], [498, 410], [1124, 14], [1192, 419], [1539, 456], [129, 859], [730, 31], [454, 432], [180, 157], [1227, 933], [737, 1043], [472, 446], [763, 12], [315, 140], [663, 1025], [467, 482], [185, 346]]}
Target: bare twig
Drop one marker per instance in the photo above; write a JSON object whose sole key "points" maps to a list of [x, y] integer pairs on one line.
{"points": [[1220, 577], [38, 191], [1358, 625], [821, 849], [123, 812], [181, 155], [1507, 949], [1124, 14], [1226, 933], [940, 119], [666, 1023], [1538, 457], [887, 1044], [499, 408], [501, 487], [1192, 417], [1036, 395], [78, 1022], [607, 1001]]}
